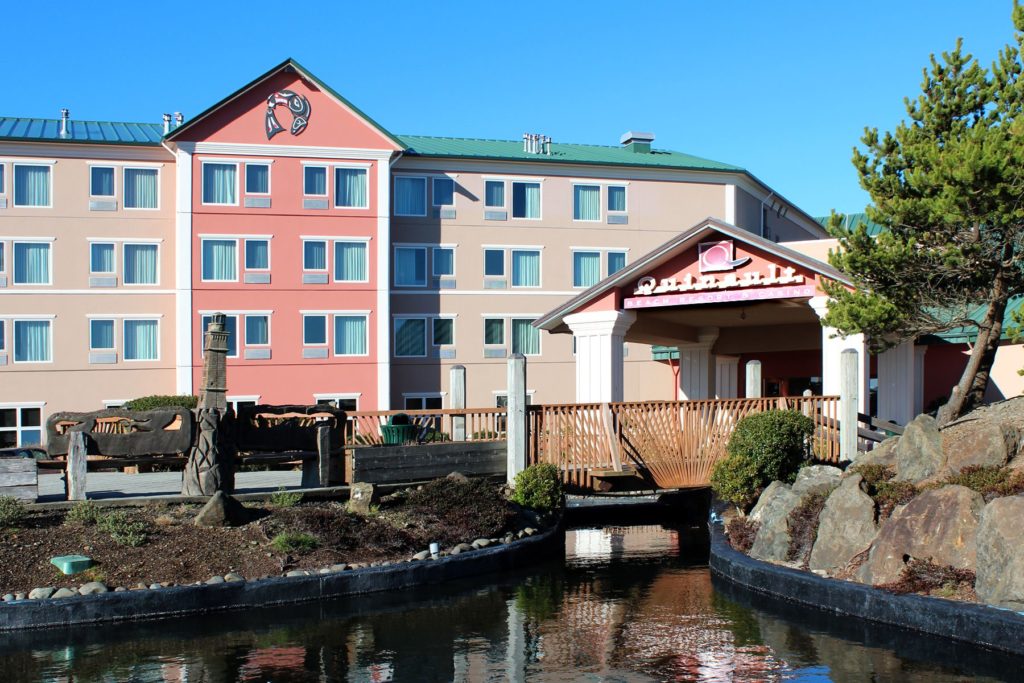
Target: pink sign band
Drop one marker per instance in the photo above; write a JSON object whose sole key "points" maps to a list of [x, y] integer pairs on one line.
{"points": [[720, 297]]}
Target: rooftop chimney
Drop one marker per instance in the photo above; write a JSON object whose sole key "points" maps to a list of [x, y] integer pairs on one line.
{"points": [[64, 114], [167, 124], [534, 143], [637, 142], [179, 119]]}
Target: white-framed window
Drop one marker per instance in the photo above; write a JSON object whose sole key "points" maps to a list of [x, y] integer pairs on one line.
{"points": [[350, 335], [219, 259], [314, 256], [494, 262], [3, 179], [141, 188], [494, 194], [141, 339], [501, 398], [32, 263], [617, 199], [410, 266], [230, 326], [33, 186], [590, 266], [347, 402], [443, 261], [526, 200], [237, 402], [443, 192], [257, 329], [102, 258], [522, 336], [494, 332], [21, 425], [410, 196], [616, 262], [220, 183], [141, 264], [410, 337], [257, 178], [314, 329], [423, 401], [101, 334], [33, 341], [443, 331], [314, 181], [351, 261], [3, 335], [257, 254], [351, 188], [101, 181], [586, 202], [525, 267]]}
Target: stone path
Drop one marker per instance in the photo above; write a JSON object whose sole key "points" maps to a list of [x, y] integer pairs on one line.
{"points": [[158, 484]]}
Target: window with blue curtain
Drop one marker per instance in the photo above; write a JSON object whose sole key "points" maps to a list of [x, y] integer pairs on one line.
{"points": [[411, 337], [3, 256], [410, 266], [494, 262], [31, 341], [350, 335], [141, 339], [350, 261], [257, 254], [220, 260], [350, 188], [3, 179], [494, 331], [616, 261], [444, 261], [101, 335], [140, 264], [586, 202], [525, 200], [3, 336], [257, 178], [220, 183], [141, 188], [410, 196], [525, 337], [494, 194], [230, 326], [101, 257], [257, 330], [314, 330], [525, 268], [31, 263], [616, 197], [314, 255], [586, 268], [314, 181], [31, 185], [444, 331], [444, 192], [101, 181]]}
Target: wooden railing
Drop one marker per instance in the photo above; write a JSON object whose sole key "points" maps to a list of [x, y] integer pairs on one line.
{"points": [[363, 427]]}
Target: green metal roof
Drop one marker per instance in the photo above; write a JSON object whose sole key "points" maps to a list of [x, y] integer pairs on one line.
{"points": [[95, 132], [561, 152], [851, 221]]}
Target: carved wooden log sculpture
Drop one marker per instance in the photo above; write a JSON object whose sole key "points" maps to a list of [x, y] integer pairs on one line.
{"points": [[210, 466]]}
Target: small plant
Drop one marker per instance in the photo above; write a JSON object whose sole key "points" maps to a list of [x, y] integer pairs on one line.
{"points": [[990, 481], [874, 474], [12, 511], [123, 529], [923, 576], [83, 513], [803, 526], [538, 487], [742, 532], [285, 499], [295, 542]]}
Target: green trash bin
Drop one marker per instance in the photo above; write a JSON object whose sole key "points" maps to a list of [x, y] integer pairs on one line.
{"points": [[398, 430]]}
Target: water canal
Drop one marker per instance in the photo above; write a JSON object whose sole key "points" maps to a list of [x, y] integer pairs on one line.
{"points": [[628, 603]]}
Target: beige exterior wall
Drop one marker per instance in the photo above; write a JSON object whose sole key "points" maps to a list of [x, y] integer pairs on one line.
{"points": [[787, 228]]}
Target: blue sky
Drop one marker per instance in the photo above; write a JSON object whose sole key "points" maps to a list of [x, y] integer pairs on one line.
{"points": [[781, 88]]}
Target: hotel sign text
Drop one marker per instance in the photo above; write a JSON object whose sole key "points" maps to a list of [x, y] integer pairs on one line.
{"points": [[774, 275]]}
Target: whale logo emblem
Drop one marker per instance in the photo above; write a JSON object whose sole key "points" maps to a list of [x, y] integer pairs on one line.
{"points": [[296, 104], [719, 256]]}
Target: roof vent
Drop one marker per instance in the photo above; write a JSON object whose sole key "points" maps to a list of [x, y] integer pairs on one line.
{"points": [[64, 115], [179, 119], [637, 142], [167, 124], [535, 143]]}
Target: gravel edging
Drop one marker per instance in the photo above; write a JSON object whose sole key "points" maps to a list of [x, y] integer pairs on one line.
{"points": [[981, 625], [173, 601]]}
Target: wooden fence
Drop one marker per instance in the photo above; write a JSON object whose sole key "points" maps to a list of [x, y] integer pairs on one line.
{"points": [[363, 427]]}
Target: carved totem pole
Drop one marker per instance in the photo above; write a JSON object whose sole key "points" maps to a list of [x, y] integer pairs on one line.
{"points": [[210, 465]]}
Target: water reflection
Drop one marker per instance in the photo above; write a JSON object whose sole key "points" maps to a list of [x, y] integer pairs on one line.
{"points": [[628, 604]]}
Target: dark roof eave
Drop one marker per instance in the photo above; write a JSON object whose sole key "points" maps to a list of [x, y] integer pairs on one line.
{"points": [[68, 141]]}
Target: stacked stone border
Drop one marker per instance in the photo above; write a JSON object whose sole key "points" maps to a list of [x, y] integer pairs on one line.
{"points": [[981, 625], [173, 601]]}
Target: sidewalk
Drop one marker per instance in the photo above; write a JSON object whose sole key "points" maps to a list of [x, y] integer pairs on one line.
{"points": [[101, 485]]}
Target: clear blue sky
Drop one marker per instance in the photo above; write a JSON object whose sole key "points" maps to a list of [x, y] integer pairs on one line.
{"points": [[781, 88]]}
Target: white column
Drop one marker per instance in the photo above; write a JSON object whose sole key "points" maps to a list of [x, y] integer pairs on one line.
{"points": [[599, 336], [919, 352], [457, 392], [382, 247], [727, 379], [183, 337], [753, 384], [832, 346], [515, 419], [697, 367], [897, 384]]}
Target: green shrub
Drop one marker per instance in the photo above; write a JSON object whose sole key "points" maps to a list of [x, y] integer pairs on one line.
{"points": [[157, 401], [84, 512], [990, 481], [12, 511], [285, 499], [764, 447], [295, 542], [538, 487], [123, 529]]}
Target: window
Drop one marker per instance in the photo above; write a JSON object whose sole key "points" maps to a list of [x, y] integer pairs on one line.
{"points": [[616, 261], [501, 400], [444, 261], [2, 254], [494, 262], [350, 262], [494, 194], [101, 258], [525, 268], [350, 188], [494, 331], [350, 335], [101, 335], [32, 342], [444, 331], [3, 186], [220, 260], [617, 198], [257, 330], [314, 330], [3, 336], [586, 202], [230, 326], [220, 184], [410, 337], [314, 181], [141, 339], [257, 254], [444, 192], [423, 402], [410, 196], [525, 200], [525, 337], [142, 188], [140, 264], [314, 255], [32, 185], [410, 266], [31, 263], [21, 426], [586, 268], [257, 178], [347, 403], [101, 181]]}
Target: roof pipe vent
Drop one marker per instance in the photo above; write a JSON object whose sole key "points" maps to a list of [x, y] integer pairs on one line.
{"points": [[535, 143], [64, 115], [167, 124], [637, 142], [179, 119]]}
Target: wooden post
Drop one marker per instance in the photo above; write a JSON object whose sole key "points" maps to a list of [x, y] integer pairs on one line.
{"points": [[516, 418], [74, 478], [753, 385], [323, 454], [849, 398], [458, 394]]}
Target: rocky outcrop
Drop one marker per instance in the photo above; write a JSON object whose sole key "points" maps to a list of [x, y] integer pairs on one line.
{"points": [[816, 479], [939, 525], [846, 526], [1000, 548], [772, 514], [919, 453]]}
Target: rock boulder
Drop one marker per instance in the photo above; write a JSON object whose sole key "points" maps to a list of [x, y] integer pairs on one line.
{"points": [[846, 526], [882, 454], [816, 479], [919, 453], [978, 441], [772, 514], [1001, 553]]}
